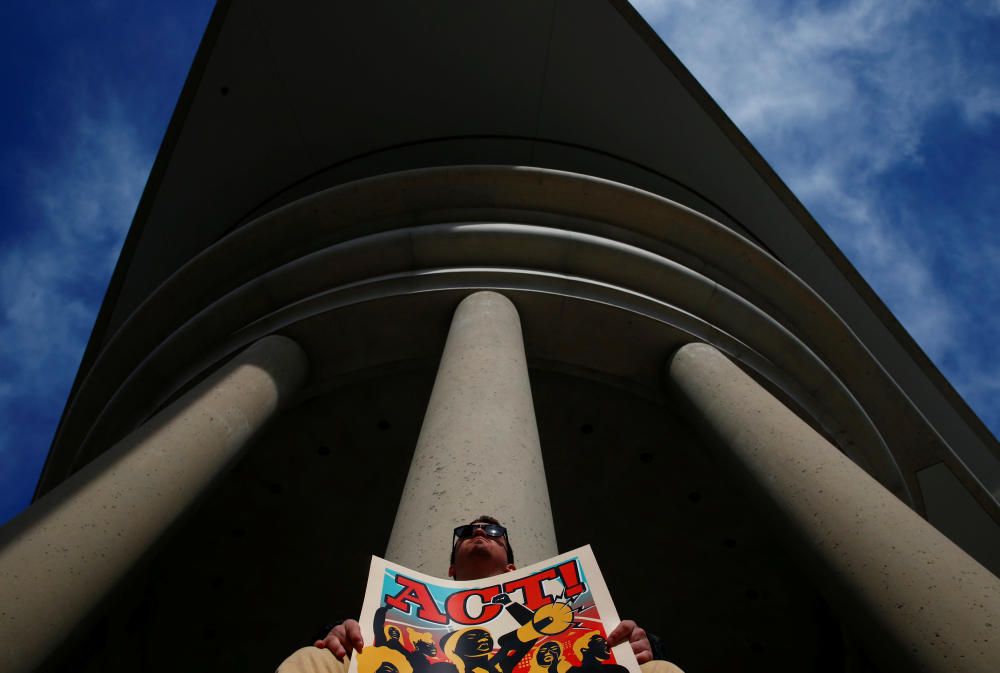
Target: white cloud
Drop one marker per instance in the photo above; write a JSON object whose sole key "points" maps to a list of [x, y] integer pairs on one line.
{"points": [[83, 204], [97, 109], [894, 263], [53, 272], [859, 70], [838, 96]]}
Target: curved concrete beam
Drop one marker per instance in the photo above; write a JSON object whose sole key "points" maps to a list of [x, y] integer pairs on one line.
{"points": [[612, 212], [504, 245]]}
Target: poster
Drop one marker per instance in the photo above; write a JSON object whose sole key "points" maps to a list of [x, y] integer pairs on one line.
{"points": [[551, 617]]}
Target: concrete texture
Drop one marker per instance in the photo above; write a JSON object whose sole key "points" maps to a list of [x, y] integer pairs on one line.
{"points": [[478, 451], [902, 587], [65, 554]]}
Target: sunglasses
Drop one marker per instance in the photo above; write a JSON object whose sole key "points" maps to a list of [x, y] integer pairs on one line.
{"points": [[491, 530]]}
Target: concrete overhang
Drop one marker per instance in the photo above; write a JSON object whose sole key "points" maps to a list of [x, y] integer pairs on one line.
{"points": [[285, 100]]}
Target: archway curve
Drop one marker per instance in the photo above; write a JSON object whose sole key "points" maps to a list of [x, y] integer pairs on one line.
{"points": [[621, 236], [587, 261]]}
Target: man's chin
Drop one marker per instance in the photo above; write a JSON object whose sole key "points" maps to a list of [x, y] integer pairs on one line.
{"points": [[478, 552]]}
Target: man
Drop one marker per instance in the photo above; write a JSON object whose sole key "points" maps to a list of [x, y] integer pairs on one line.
{"points": [[481, 549]]}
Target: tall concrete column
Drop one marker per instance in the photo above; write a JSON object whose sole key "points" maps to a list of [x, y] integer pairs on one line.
{"points": [[68, 550], [478, 450], [917, 601]]}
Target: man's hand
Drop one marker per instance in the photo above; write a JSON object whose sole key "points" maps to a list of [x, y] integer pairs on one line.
{"points": [[342, 639], [636, 636]]}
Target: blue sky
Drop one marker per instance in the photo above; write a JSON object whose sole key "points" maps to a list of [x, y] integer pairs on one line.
{"points": [[883, 117]]}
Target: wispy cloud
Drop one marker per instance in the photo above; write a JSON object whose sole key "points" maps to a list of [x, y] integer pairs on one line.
{"points": [[847, 100], [94, 91], [53, 272]]}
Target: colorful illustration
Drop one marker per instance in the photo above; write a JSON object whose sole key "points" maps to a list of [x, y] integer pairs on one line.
{"points": [[552, 617]]}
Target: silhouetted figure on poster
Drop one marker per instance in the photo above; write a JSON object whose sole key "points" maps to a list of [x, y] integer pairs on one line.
{"points": [[548, 659], [383, 659], [388, 654], [471, 649], [387, 636], [423, 649], [423, 643], [592, 650]]}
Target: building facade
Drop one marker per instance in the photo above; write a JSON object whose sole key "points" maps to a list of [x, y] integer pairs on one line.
{"points": [[651, 348]]}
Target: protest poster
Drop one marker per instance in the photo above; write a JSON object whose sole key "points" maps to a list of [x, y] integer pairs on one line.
{"points": [[551, 617]]}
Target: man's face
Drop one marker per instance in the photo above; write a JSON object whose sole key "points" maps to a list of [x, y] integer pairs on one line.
{"points": [[480, 556]]}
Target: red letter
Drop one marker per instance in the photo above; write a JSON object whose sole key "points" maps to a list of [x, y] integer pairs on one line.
{"points": [[571, 579], [458, 611], [534, 597], [416, 593]]}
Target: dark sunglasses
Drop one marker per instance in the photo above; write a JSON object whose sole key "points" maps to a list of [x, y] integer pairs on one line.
{"points": [[491, 529]]}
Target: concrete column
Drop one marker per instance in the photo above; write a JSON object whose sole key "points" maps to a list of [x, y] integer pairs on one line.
{"points": [[478, 450], [917, 601], [68, 550]]}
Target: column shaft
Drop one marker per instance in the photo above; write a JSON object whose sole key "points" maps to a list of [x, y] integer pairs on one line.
{"points": [[478, 450], [68, 550], [915, 599]]}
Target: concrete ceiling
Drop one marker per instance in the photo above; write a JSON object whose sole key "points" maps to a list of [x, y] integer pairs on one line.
{"points": [[284, 99]]}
